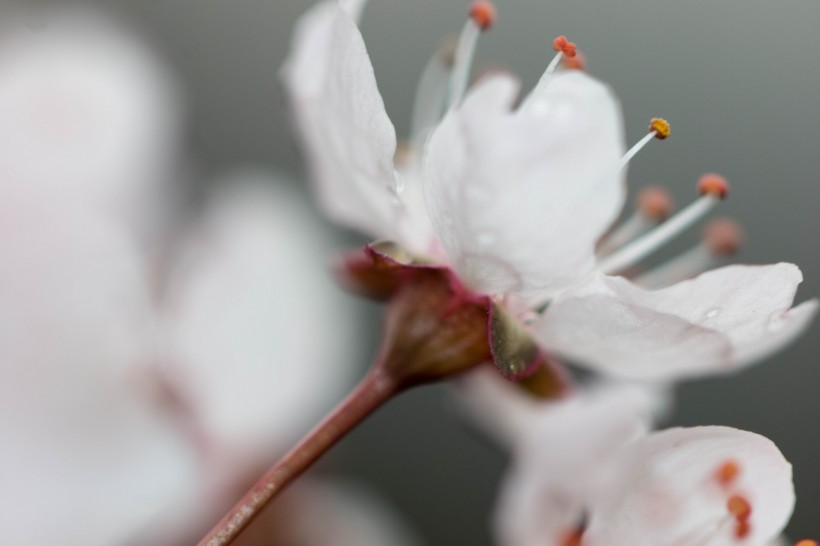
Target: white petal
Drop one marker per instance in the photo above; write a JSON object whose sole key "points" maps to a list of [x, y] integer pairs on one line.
{"points": [[715, 323], [566, 457], [669, 494], [496, 405], [316, 513], [258, 336], [86, 459], [519, 198], [349, 141], [97, 104]]}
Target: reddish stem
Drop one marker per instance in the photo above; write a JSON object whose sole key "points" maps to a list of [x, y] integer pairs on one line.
{"points": [[374, 390]]}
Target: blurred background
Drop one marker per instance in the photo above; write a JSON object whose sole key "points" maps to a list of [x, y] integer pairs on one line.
{"points": [[739, 81]]}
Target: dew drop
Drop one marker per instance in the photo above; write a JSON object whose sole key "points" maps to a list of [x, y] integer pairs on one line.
{"points": [[485, 238], [713, 312], [776, 322]]}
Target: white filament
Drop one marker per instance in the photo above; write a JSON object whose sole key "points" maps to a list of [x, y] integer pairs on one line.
{"points": [[648, 243], [463, 62], [630, 228], [431, 94], [689, 264], [635, 149]]}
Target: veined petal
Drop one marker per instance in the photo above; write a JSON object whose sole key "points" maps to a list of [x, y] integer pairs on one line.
{"points": [[347, 136], [567, 456], [519, 199], [672, 492], [715, 323]]}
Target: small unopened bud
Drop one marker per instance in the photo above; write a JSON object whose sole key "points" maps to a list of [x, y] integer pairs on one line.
{"points": [[660, 127], [713, 184], [655, 203], [483, 13]]}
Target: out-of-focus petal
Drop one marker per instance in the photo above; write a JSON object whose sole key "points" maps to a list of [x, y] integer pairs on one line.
{"points": [[566, 457], [519, 199], [718, 322], [85, 458], [319, 513], [259, 339], [671, 492], [348, 139], [87, 113]]}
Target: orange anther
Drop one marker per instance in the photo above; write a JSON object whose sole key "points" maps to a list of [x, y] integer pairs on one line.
{"points": [[569, 49], [578, 62], [655, 203], [724, 237], [806, 542], [739, 507], [572, 538], [727, 472], [713, 184], [742, 529], [660, 127], [483, 14]]}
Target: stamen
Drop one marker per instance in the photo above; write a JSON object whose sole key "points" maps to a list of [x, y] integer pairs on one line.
{"points": [[658, 128], [578, 62], [648, 243], [739, 507], [431, 92], [482, 17], [565, 50], [714, 184], [574, 537], [727, 473], [653, 205], [483, 13], [742, 529], [806, 542], [722, 237]]}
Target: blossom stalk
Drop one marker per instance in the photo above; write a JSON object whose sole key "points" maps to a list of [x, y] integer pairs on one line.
{"points": [[373, 391]]}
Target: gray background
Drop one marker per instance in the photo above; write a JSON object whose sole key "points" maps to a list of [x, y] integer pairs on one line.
{"points": [[738, 79]]}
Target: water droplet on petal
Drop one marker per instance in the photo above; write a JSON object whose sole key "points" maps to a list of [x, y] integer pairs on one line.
{"points": [[776, 322], [485, 238], [713, 312]]}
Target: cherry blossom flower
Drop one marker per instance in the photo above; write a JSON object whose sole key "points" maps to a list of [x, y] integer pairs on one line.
{"points": [[519, 201], [136, 394], [587, 471]]}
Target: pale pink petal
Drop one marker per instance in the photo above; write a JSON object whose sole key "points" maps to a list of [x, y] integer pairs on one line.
{"points": [[718, 322], [85, 457], [348, 139], [259, 339], [519, 198], [671, 492], [87, 113], [497, 405], [566, 457], [320, 513]]}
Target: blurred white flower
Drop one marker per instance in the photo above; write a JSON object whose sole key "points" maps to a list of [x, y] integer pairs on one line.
{"points": [[586, 472], [516, 199], [134, 400]]}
